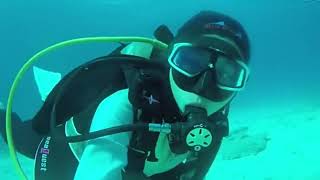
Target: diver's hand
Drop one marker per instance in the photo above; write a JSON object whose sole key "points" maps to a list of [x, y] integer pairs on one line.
{"points": [[167, 160]]}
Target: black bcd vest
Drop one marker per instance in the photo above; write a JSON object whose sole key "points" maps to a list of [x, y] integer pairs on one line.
{"points": [[153, 102]]}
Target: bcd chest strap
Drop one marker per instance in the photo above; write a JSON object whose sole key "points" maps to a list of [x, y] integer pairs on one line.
{"points": [[145, 87]]}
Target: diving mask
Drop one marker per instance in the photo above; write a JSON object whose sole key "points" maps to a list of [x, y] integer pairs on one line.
{"points": [[230, 74]]}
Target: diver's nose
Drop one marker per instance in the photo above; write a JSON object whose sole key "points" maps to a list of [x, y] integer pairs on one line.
{"points": [[205, 81]]}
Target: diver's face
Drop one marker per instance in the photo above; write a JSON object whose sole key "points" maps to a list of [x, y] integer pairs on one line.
{"points": [[184, 98], [205, 89], [204, 84]]}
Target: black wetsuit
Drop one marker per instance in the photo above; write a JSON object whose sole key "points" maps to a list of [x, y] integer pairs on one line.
{"points": [[26, 140]]}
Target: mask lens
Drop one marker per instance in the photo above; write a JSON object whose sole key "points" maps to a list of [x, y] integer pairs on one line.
{"points": [[229, 73], [191, 60]]}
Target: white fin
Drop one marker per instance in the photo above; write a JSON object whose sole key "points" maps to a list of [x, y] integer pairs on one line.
{"points": [[45, 80]]}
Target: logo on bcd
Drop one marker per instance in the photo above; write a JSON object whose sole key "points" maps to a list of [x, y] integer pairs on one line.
{"points": [[151, 99], [44, 152]]}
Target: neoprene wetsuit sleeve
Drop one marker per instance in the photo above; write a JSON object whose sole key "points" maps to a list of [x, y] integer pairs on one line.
{"points": [[103, 158]]}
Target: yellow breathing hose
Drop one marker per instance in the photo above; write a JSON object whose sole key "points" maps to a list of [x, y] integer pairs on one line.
{"points": [[36, 57]]}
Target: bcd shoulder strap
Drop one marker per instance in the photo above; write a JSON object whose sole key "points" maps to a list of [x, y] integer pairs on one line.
{"points": [[145, 96]]}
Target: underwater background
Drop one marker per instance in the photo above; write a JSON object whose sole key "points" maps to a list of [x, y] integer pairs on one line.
{"points": [[274, 122]]}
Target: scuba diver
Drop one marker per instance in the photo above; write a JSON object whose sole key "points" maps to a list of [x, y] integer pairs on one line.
{"points": [[165, 111]]}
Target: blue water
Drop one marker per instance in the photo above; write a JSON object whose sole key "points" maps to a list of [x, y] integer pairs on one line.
{"points": [[284, 38]]}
